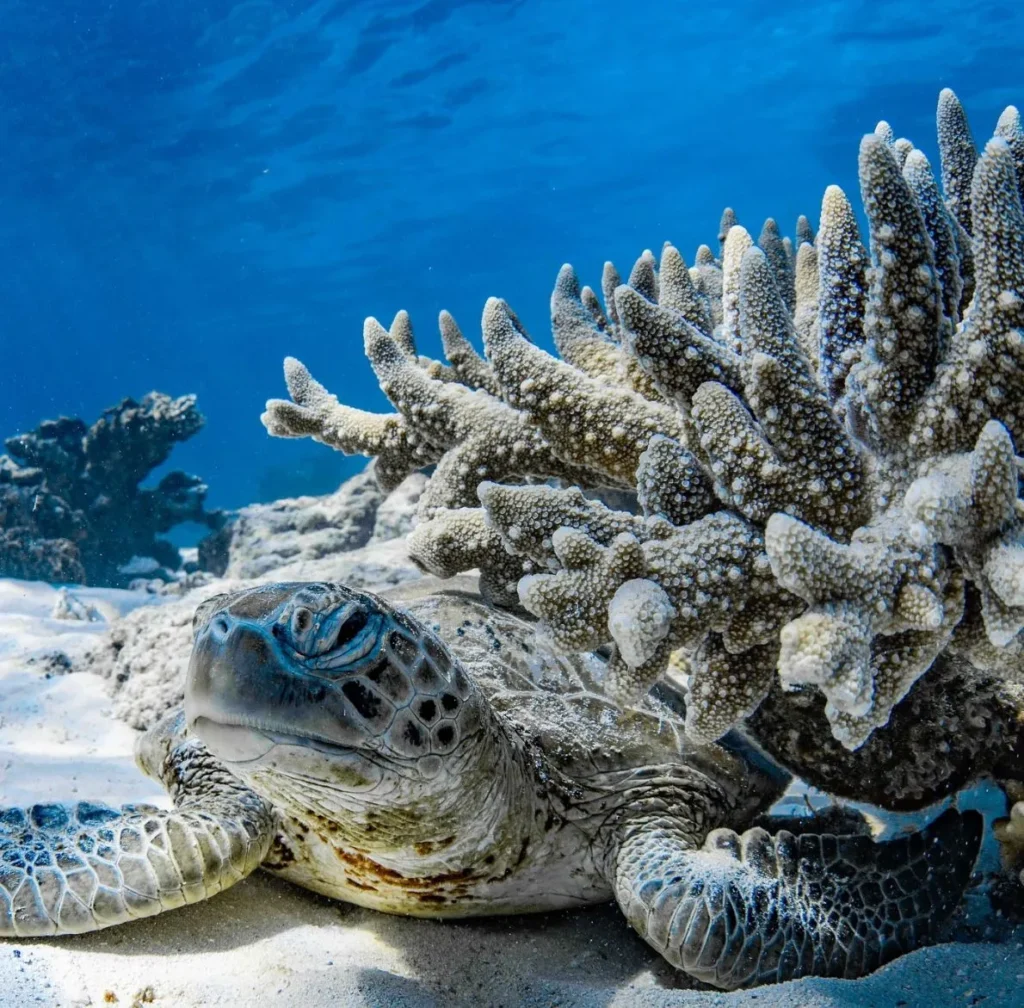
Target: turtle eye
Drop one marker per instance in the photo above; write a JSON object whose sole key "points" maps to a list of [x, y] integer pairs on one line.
{"points": [[348, 629], [302, 620]]}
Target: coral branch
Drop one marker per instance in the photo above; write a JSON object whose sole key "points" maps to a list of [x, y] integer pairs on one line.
{"points": [[842, 288], [904, 306], [958, 154], [314, 412], [588, 423]]}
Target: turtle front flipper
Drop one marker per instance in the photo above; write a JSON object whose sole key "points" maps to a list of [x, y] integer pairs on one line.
{"points": [[69, 868], [755, 908]]}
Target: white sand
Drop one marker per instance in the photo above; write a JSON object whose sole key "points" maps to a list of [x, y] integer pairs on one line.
{"points": [[265, 942]]}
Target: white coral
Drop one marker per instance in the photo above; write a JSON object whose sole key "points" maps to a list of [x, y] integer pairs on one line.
{"points": [[640, 616]]}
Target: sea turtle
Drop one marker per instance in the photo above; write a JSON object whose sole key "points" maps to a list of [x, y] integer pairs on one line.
{"points": [[430, 756]]}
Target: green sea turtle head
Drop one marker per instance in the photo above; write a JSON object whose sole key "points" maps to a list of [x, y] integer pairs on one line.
{"points": [[329, 687]]}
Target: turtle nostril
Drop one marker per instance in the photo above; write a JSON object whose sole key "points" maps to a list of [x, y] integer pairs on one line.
{"points": [[219, 627]]}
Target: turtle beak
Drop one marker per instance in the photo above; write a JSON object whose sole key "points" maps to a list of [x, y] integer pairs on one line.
{"points": [[223, 679], [229, 660]]}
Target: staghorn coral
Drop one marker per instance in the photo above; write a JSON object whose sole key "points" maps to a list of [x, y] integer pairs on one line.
{"points": [[670, 481], [982, 375], [842, 271], [1010, 129], [460, 539], [600, 426], [879, 611], [71, 508], [470, 434], [821, 445], [969, 502], [737, 243], [903, 306], [580, 339], [707, 281], [804, 232], [959, 155], [678, 355], [792, 454], [780, 259], [470, 368], [805, 312], [314, 412]]}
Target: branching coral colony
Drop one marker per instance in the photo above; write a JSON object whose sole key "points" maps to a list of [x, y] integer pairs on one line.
{"points": [[820, 442]]}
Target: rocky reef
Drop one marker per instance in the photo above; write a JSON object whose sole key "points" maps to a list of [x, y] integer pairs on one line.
{"points": [[72, 509], [261, 538], [819, 438]]}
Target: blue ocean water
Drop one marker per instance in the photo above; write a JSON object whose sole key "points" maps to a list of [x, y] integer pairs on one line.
{"points": [[191, 190]]}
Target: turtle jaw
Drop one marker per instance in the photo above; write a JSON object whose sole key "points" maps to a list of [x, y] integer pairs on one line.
{"points": [[252, 751], [232, 743], [271, 762], [241, 743]]}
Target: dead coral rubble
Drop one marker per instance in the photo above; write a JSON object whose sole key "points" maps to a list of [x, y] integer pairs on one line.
{"points": [[71, 508], [821, 444]]}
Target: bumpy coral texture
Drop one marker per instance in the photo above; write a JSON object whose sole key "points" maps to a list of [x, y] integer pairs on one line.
{"points": [[820, 442]]}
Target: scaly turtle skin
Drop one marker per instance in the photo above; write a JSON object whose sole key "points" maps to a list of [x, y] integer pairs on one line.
{"points": [[437, 760]]}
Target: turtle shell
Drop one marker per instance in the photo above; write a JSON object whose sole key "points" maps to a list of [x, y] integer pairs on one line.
{"points": [[556, 701]]}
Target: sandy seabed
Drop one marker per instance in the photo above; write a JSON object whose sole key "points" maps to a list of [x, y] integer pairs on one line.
{"points": [[265, 942]]}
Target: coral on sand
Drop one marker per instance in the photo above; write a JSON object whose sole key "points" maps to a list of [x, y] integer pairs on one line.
{"points": [[820, 436], [29, 557], [71, 508]]}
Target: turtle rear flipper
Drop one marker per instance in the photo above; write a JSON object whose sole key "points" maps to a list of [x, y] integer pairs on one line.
{"points": [[755, 908], [70, 868]]}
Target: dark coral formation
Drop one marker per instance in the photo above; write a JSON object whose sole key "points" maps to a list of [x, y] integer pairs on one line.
{"points": [[821, 440], [71, 508]]}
